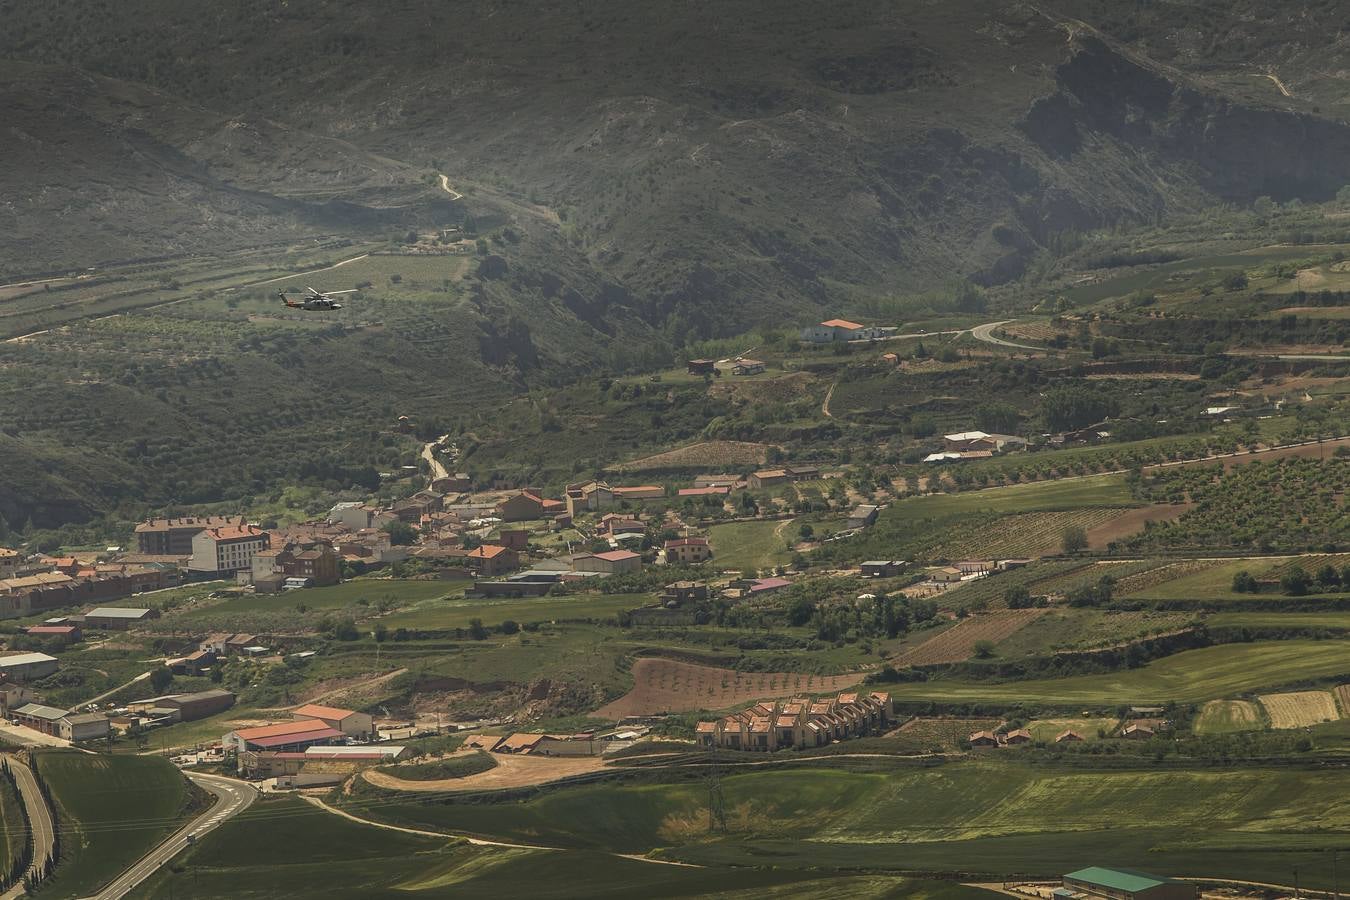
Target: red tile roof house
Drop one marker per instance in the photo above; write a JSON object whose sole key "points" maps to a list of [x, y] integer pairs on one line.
{"points": [[687, 551], [527, 505], [493, 559], [798, 723]]}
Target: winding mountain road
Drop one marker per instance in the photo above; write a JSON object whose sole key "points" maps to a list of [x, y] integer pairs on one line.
{"points": [[40, 817], [985, 333], [234, 797]]}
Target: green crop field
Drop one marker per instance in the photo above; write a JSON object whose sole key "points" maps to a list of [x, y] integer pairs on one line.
{"points": [[456, 613], [284, 846], [1192, 676], [925, 819], [1069, 493], [1311, 621], [750, 545], [113, 809], [1228, 717]]}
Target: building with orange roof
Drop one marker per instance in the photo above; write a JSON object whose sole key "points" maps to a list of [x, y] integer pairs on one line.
{"points": [[174, 536], [281, 736], [351, 723], [799, 722], [832, 330], [228, 549], [489, 560]]}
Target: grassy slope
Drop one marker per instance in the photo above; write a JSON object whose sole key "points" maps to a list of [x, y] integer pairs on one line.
{"points": [[452, 613], [750, 545], [115, 807], [943, 818], [284, 846], [1186, 677]]}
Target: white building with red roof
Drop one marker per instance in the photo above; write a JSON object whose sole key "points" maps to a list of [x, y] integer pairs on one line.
{"points": [[227, 549]]}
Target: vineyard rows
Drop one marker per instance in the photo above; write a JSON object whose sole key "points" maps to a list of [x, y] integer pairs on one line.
{"points": [[1161, 574], [1025, 534], [957, 643], [1310, 564]]}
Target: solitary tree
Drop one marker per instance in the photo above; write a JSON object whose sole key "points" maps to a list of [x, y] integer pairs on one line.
{"points": [[1075, 539]]}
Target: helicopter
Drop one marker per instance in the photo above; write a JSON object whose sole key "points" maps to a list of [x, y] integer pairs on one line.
{"points": [[314, 300]]}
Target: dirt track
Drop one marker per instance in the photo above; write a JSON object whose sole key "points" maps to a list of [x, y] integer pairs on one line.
{"points": [[667, 685], [511, 772]]}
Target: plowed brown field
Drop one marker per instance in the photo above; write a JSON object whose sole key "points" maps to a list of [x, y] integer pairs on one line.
{"points": [[957, 643], [667, 685]]}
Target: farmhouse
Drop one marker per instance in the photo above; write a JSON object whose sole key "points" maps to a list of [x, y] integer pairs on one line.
{"points": [[680, 592], [117, 618], [768, 478], [727, 481], [834, 330], [1122, 884], [747, 367], [1137, 732], [527, 505], [1068, 737], [687, 550], [881, 568], [946, 575], [702, 366], [863, 515], [492, 559], [1017, 738], [983, 739], [798, 723], [518, 743]]}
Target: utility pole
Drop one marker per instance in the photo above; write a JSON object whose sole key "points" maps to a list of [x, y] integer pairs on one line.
{"points": [[717, 813]]}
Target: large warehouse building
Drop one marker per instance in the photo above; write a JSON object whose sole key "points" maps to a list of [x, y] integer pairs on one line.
{"points": [[1122, 884]]}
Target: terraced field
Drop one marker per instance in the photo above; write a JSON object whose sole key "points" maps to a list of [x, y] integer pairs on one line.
{"points": [[1196, 675], [957, 644], [668, 685], [1298, 709], [1343, 698], [1228, 716], [1154, 575]]}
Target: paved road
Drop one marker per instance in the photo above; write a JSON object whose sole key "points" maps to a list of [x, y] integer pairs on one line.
{"points": [[235, 797], [44, 831], [438, 470], [100, 697], [985, 333], [29, 737]]}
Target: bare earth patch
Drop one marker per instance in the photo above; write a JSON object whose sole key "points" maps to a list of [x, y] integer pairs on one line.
{"points": [[511, 772], [957, 643], [703, 455], [668, 685], [1131, 521]]}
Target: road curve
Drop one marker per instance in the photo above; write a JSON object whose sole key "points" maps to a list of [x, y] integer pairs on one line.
{"points": [[40, 817], [234, 797], [985, 333]]}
